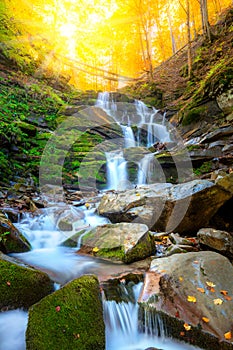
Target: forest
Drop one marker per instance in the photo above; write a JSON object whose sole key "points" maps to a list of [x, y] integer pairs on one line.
{"points": [[102, 45]]}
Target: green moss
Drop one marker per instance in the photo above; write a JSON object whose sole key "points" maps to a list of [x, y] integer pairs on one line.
{"points": [[21, 286], [206, 167], [142, 250], [114, 254], [70, 318], [193, 115]]}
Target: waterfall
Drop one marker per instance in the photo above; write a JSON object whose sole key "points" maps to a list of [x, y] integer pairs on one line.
{"points": [[123, 331], [128, 136], [146, 133], [117, 176], [145, 169]]}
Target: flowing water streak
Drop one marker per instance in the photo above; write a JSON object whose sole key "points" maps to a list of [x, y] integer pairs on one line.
{"points": [[122, 327], [145, 169], [13, 326]]}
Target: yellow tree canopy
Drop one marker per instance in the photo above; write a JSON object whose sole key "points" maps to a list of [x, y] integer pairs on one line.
{"points": [[100, 44]]}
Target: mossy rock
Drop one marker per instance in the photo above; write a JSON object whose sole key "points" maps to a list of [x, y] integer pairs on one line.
{"points": [[11, 240], [127, 242], [29, 129], [70, 318], [21, 286]]}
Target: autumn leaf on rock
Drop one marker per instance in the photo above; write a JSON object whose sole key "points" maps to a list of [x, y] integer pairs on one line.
{"points": [[187, 327], [228, 335], [224, 292], [218, 301], [205, 319], [95, 250], [191, 299], [210, 284], [202, 290]]}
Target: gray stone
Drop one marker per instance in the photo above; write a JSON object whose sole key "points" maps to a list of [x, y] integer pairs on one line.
{"points": [[166, 207], [225, 101], [127, 242], [221, 241]]}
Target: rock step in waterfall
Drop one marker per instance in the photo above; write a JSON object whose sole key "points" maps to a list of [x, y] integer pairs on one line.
{"points": [[139, 128]]}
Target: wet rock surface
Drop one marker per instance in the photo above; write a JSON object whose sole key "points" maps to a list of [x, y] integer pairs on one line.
{"points": [[220, 241], [193, 289], [126, 242], [167, 207], [11, 240]]}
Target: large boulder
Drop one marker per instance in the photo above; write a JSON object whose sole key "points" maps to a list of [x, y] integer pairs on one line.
{"points": [[70, 318], [183, 208], [218, 240], [21, 285], [127, 242], [192, 293], [11, 240]]}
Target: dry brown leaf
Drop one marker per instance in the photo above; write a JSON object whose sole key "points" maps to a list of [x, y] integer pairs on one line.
{"points": [[218, 301], [191, 299], [228, 335], [202, 290]]}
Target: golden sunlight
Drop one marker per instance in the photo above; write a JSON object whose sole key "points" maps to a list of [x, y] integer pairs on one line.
{"points": [[103, 44]]}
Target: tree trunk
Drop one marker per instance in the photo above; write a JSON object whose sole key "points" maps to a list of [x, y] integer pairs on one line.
{"points": [[205, 21], [189, 39]]}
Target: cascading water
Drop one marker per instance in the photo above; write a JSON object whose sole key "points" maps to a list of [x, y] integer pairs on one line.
{"points": [[122, 327], [142, 119], [116, 170]]}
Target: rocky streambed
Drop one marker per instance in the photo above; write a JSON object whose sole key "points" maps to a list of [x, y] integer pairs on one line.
{"points": [[161, 234]]}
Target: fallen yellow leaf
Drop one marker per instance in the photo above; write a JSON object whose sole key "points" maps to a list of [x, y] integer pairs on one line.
{"points": [[181, 279], [228, 335], [218, 301], [202, 290], [138, 194], [95, 250], [187, 327], [87, 205], [210, 284], [205, 319], [191, 299]]}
